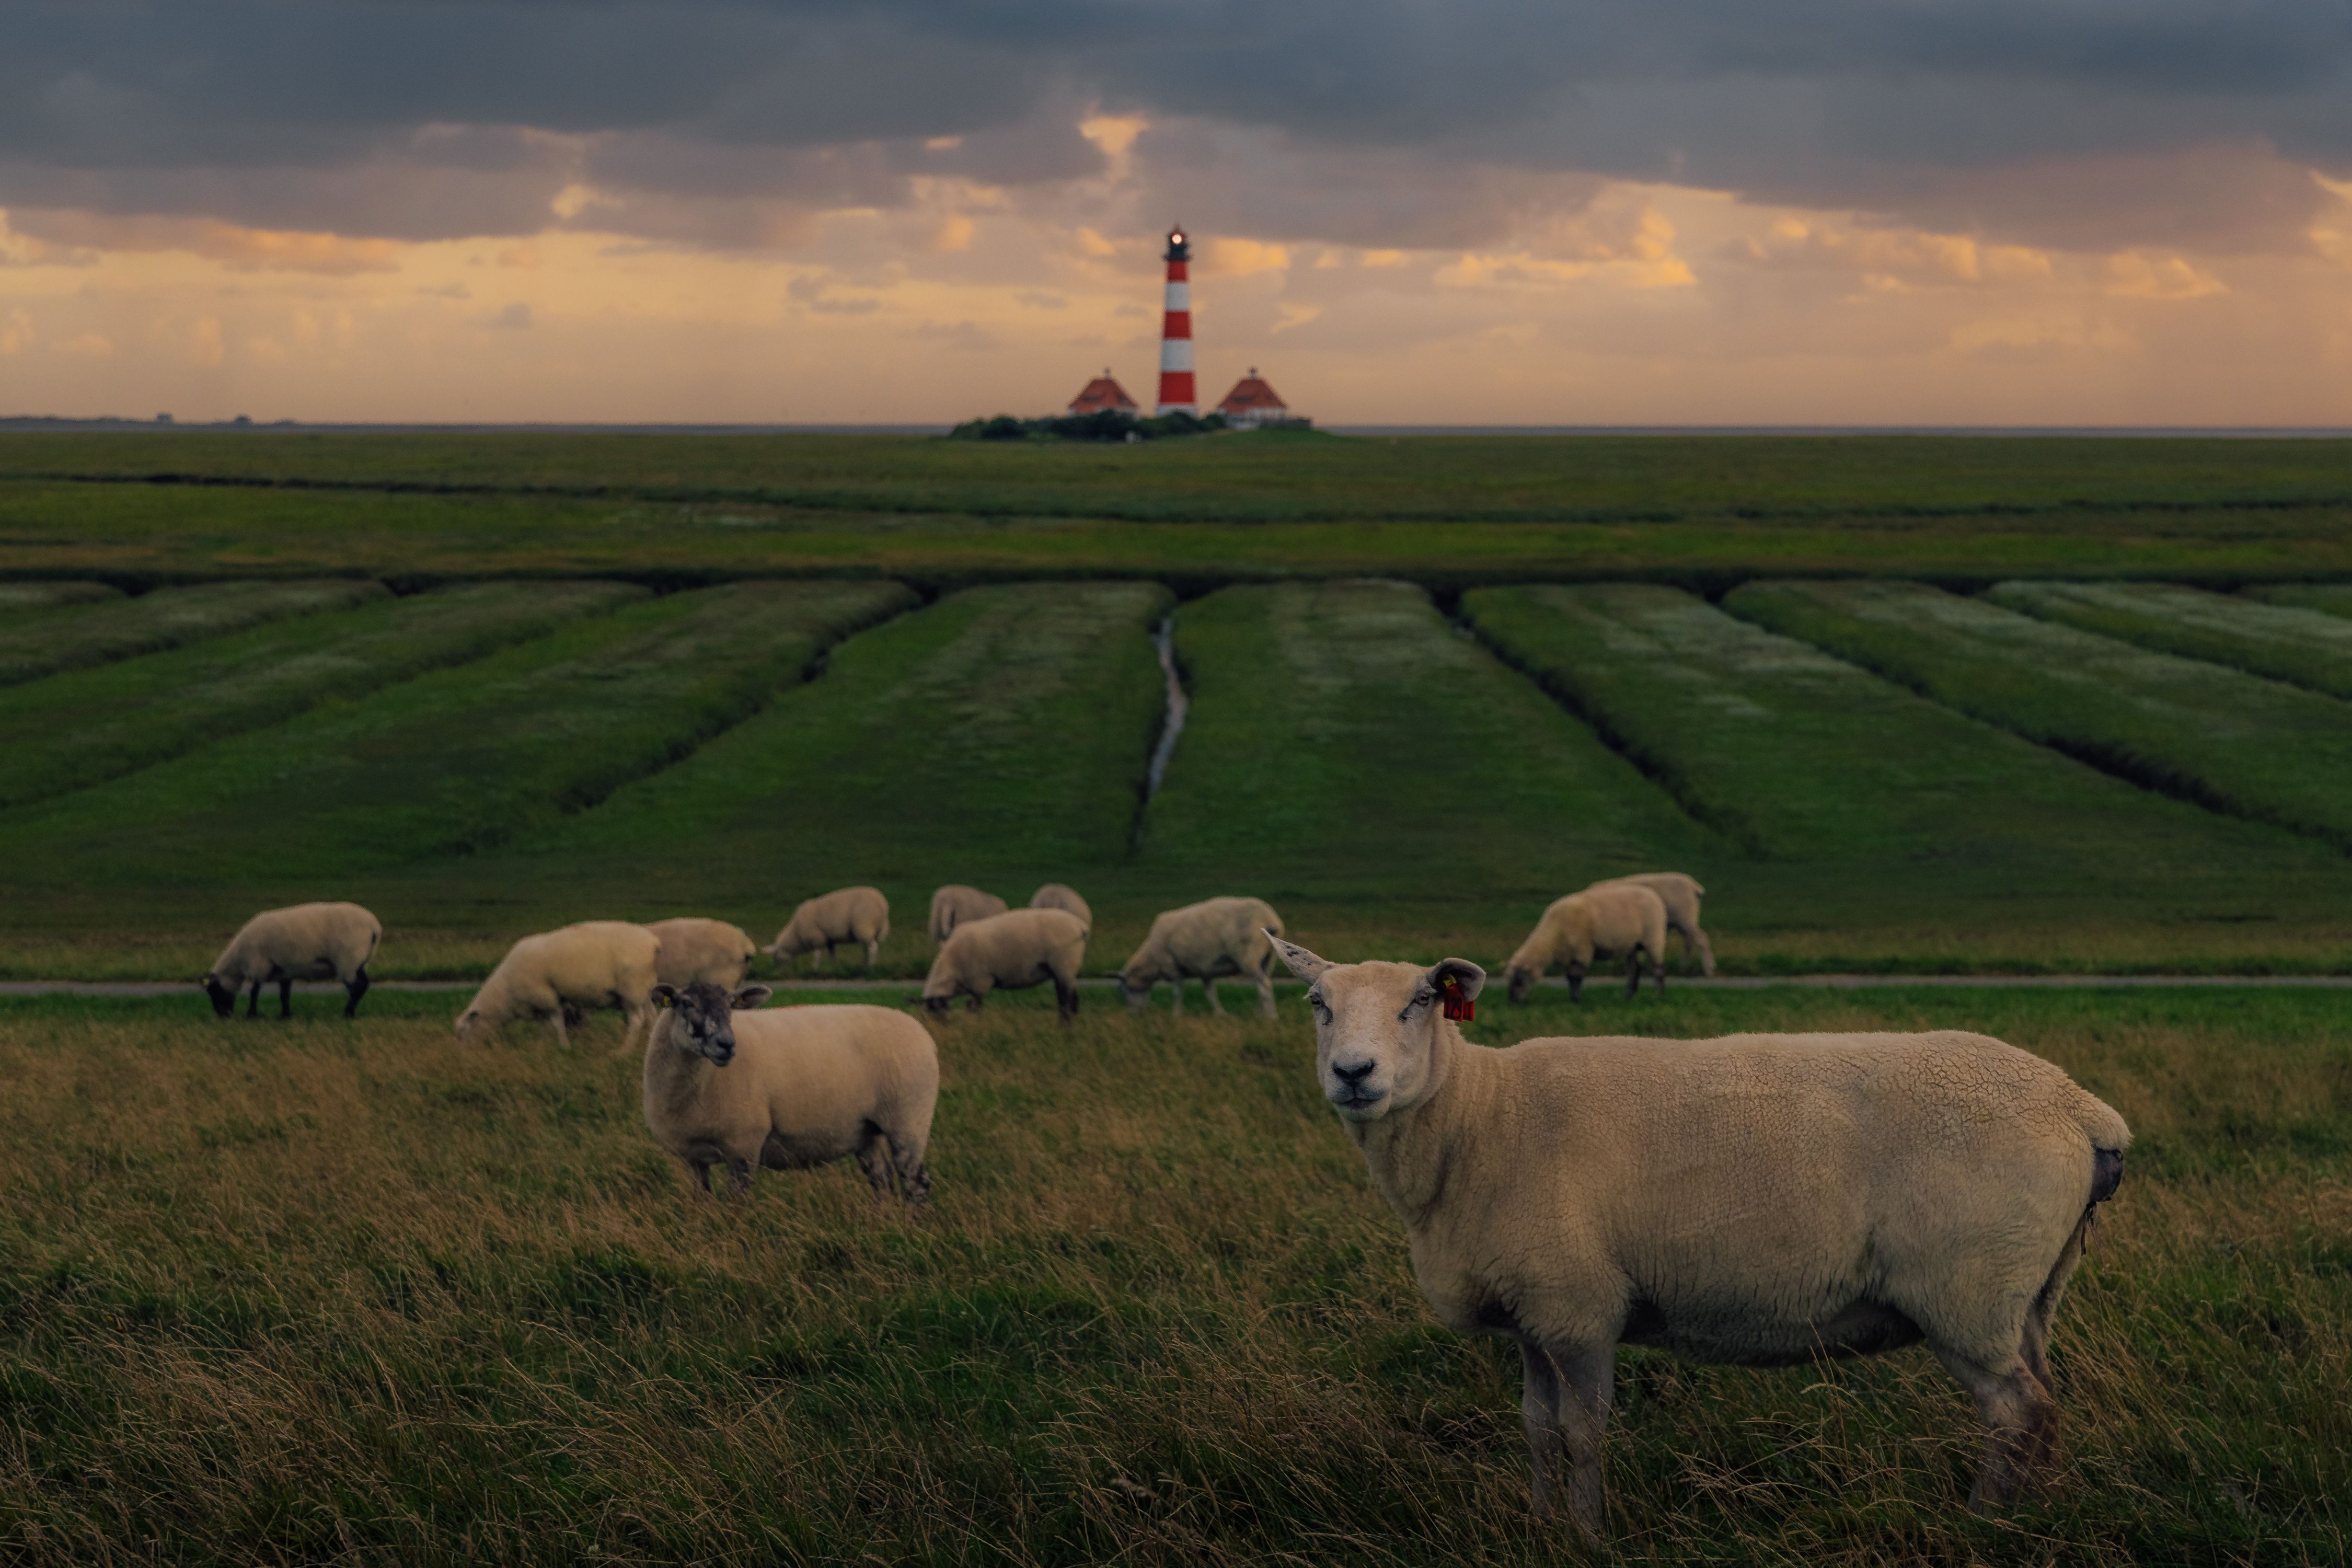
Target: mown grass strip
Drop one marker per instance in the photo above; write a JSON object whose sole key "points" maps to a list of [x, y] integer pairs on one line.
{"points": [[167, 617], [18, 598], [1000, 736], [2224, 738], [2332, 598], [2302, 646], [320, 1290], [1345, 744], [449, 764], [1801, 757], [89, 725]]}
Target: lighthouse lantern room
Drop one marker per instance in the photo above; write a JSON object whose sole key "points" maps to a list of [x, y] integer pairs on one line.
{"points": [[1176, 394]]}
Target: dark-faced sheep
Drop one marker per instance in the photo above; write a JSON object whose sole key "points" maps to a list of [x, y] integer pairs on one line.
{"points": [[1207, 941], [857, 916], [305, 941], [1607, 920], [1010, 952]]}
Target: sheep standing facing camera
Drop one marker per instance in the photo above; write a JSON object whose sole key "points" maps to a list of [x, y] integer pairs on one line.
{"points": [[304, 942], [790, 1088], [1758, 1200]]}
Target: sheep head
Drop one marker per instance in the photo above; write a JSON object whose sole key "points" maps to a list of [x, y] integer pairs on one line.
{"points": [[1377, 1026], [223, 999], [699, 1022]]}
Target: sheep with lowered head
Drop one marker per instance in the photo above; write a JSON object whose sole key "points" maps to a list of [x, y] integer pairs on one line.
{"points": [[1013, 951], [1680, 895], [1605, 919], [1062, 896], [1205, 940], [790, 1088], [1758, 1200], [595, 963], [955, 904], [859, 915], [303, 941], [693, 949]]}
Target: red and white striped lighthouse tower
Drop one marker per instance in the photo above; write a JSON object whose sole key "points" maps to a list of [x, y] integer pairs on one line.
{"points": [[1176, 394]]}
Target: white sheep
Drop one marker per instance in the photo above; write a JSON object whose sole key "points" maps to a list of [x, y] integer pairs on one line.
{"points": [[595, 963], [821, 923], [954, 904], [1013, 951], [1604, 920], [1758, 1200], [693, 949], [303, 941], [790, 1088], [1680, 895], [1203, 942], [1062, 896]]}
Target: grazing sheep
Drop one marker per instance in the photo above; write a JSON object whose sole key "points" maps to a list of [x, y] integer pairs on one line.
{"points": [[954, 904], [1680, 895], [1758, 1200], [825, 921], [694, 949], [812, 1084], [1015, 950], [1214, 937], [1062, 896], [305, 941], [596, 963], [1606, 919]]}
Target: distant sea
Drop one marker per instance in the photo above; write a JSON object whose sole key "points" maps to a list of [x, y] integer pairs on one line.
{"points": [[2223, 432]]}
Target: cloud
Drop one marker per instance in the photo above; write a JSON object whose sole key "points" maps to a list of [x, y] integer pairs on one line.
{"points": [[514, 318]]}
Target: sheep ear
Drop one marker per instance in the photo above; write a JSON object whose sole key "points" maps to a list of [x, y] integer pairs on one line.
{"points": [[1298, 959], [1467, 975], [752, 997], [663, 996]]}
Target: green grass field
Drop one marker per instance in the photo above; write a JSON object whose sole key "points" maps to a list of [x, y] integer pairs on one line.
{"points": [[25, 598], [325, 1291], [2241, 744], [2302, 646], [111, 628], [1854, 804], [2334, 598], [94, 724], [442, 767]]}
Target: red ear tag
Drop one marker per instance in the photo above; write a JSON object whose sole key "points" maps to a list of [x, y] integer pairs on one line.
{"points": [[1458, 1008]]}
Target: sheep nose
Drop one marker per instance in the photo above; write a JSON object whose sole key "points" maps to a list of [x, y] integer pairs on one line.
{"points": [[1351, 1076]]}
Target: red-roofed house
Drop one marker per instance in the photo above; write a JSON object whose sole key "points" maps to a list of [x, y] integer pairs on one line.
{"points": [[1103, 394], [1252, 403]]}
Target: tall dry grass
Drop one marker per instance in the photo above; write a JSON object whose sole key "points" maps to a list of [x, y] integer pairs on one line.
{"points": [[326, 1293]]}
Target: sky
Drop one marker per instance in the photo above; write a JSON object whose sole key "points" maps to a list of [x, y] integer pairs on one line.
{"points": [[1516, 212]]}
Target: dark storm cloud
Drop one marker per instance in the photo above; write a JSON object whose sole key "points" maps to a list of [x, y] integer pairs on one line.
{"points": [[428, 117]]}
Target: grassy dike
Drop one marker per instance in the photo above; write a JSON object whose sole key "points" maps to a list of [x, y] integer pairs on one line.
{"points": [[322, 1291], [98, 631]]}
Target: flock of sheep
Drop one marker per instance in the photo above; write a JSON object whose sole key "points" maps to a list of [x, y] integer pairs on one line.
{"points": [[1757, 1199]]}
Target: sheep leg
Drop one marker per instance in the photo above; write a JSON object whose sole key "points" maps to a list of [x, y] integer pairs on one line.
{"points": [[2020, 1422], [253, 1001], [738, 1178], [1265, 993], [1066, 998], [632, 1020], [914, 1176], [873, 951], [561, 1039], [353, 989], [698, 1173], [874, 1159], [1633, 973], [285, 996], [1209, 986], [1575, 973], [1176, 990], [1706, 951], [1539, 1413], [1584, 1389]]}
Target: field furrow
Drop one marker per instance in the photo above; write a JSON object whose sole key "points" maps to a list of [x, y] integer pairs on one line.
{"points": [[1345, 745], [2227, 739], [2300, 646], [86, 726], [1801, 757], [20, 598], [445, 765], [119, 629], [998, 736]]}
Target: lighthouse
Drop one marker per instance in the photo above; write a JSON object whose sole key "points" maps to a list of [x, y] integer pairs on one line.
{"points": [[1176, 396]]}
